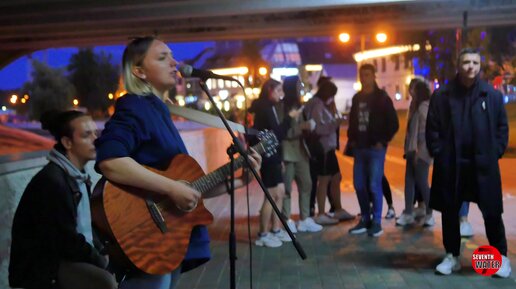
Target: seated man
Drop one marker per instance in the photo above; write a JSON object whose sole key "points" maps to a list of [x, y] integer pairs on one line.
{"points": [[52, 235]]}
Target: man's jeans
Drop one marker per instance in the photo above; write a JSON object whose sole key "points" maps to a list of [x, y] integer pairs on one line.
{"points": [[464, 209], [367, 177]]}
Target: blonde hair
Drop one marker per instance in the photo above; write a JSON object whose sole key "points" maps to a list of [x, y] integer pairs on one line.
{"points": [[133, 56]]}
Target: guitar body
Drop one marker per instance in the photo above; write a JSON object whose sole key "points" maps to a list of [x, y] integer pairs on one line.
{"points": [[132, 234]]}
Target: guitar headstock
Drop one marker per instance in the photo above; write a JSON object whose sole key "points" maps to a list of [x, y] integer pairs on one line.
{"points": [[268, 143]]}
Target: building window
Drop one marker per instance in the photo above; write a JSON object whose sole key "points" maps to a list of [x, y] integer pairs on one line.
{"points": [[384, 64], [407, 62], [396, 62], [375, 63]]}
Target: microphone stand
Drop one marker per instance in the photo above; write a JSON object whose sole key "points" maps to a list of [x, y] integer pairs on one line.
{"points": [[237, 147]]}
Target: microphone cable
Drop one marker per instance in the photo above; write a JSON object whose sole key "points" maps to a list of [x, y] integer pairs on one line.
{"points": [[249, 234]]}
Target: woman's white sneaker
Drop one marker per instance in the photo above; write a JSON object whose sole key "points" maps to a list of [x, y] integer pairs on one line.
{"points": [[308, 225], [292, 226], [429, 221], [405, 219], [466, 230], [268, 240], [282, 235], [324, 219]]}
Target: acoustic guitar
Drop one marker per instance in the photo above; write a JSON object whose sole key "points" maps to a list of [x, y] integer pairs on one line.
{"points": [[152, 235]]}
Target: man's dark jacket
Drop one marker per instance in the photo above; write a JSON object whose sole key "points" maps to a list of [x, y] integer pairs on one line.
{"points": [[44, 231], [490, 137], [383, 120]]}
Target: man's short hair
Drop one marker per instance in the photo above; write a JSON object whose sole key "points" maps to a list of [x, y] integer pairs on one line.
{"points": [[467, 50], [367, 66]]}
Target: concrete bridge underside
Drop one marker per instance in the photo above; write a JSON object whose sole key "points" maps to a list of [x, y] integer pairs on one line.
{"points": [[30, 25]]}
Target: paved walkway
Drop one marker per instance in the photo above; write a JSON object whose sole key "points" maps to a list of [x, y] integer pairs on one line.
{"points": [[400, 258]]}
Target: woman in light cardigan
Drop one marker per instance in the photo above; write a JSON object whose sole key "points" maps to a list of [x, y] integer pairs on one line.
{"points": [[416, 154], [296, 158], [326, 164]]}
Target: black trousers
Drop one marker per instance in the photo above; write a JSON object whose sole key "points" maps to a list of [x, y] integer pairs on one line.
{"points": [[495, 231]]}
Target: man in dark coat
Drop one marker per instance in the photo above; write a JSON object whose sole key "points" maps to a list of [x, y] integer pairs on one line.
{"points": [[466, 133]]}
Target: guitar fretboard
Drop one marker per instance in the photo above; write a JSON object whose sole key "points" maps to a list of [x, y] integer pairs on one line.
{"points": [[206, 183]]}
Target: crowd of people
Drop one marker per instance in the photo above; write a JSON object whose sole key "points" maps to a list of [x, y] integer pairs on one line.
{"points": [[461, 129]]}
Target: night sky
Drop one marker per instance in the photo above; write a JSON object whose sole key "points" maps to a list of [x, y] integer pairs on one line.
{"points": [[18, 72]]}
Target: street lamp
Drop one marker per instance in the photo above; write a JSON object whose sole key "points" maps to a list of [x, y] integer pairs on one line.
{"points": [[344, 37], [14, 99], [381, 37]]}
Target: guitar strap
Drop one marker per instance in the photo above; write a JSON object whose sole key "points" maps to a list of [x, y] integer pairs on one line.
{"points": [[207, 119]]}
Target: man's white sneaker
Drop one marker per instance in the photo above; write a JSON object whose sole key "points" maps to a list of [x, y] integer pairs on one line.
{"points": [[505, 269], [324, 219], [429, 221], [282, 235], [405, 219], [466, 230], [268, 240], [292, 226], [448, 265], [308, 225]]}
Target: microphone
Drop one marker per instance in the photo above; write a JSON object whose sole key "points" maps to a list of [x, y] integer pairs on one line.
{"points": [[188, 71]]}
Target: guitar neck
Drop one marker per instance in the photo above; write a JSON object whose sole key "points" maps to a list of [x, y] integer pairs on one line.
{"points": [[206, 183]]}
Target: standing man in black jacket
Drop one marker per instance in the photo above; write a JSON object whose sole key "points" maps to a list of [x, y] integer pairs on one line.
{"points": [[466, 133], [52, 235], [372, 124]]}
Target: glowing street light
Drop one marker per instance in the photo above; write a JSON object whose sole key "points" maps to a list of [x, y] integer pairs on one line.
{"points": [[381, 37], [110, 96], [262, 71], [344, 37], [14, 99], [75, 102]]}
